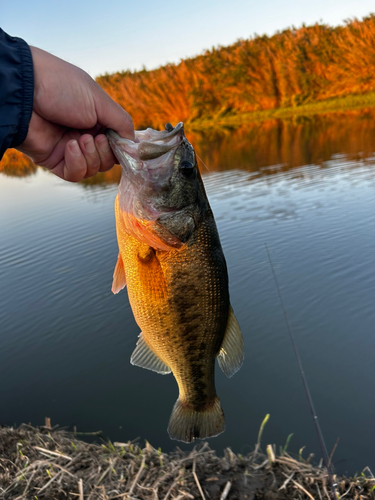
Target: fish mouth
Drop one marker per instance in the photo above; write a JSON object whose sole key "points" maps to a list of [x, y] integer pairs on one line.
{"points": [[148, 162], [151, 168], [149, 145], [149, 133]]}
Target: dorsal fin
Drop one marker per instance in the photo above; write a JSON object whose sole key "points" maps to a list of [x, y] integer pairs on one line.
{"points": [[231, 354], [119, 276]]}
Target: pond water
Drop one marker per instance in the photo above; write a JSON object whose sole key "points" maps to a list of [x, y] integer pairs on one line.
{"points": [[305, 187]]}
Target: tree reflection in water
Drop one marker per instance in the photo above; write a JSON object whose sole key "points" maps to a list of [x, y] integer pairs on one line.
{"points": [[283, 144]]}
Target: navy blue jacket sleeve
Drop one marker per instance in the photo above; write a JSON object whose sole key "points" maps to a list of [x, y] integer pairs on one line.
{"points": [[16, 91]]}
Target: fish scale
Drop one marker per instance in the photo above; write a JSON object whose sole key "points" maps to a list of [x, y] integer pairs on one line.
{"points": [[172, 262]]}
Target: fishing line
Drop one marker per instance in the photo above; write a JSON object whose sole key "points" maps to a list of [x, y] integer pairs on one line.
{"points": [[203, 162], [305, 385]]}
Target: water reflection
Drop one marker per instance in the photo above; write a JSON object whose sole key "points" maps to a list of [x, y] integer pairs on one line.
{"points": [[280, 144], [288, 143], [15, 164]]}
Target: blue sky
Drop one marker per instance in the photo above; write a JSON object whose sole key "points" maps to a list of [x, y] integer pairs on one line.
{"points": [[117, 35]]}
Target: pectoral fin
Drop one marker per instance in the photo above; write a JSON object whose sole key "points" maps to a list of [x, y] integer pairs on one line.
{"points": [[231, 353], [144, 357], [119, 277]]}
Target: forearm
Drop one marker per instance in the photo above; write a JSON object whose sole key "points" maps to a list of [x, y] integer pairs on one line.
{"points": [[16, 91]]}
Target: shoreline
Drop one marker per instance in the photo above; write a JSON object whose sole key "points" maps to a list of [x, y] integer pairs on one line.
{"points": [[353, 102], [45, 463]]}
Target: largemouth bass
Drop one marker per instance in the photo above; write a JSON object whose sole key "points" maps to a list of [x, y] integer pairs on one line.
{"points": [[171, 260]]}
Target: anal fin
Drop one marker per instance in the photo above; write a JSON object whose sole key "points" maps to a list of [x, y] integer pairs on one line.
{"points": [[145, 357], [119, 276], [231, 354]]}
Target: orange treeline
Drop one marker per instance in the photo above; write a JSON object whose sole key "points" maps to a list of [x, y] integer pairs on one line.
{"points": [[290, 68], [293, 67]]}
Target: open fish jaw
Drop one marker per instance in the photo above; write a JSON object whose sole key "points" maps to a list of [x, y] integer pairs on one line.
{"points": [[149, 160], [149, 144], [152, 189]]}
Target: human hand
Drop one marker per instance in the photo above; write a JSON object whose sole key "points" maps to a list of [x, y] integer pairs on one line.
{"points": [[70, 114]]}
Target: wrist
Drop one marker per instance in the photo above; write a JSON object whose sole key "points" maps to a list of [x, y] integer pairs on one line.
{"points": [[41, 72]]}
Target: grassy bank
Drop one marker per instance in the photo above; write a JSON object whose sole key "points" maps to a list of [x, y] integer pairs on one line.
{"points": [[42, 463], [347, 103]]}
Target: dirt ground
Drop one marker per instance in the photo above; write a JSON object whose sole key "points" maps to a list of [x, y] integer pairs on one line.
{"points": [[42, 463]]}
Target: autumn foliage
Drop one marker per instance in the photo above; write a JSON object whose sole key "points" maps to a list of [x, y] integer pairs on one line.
{"points": [[16, 164], [289, 69], [292, 67]]}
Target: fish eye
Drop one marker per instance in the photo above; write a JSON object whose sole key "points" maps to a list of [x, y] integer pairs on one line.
{"points": [[187, 169]]}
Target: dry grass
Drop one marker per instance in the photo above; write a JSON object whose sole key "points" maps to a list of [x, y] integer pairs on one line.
{"points": [[42, 463]]}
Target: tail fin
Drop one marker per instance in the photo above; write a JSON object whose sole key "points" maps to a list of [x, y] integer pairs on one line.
{"points": [[187, 425]]}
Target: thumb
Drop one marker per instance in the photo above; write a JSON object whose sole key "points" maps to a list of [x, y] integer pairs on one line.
{"points": [[112, 115]]}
